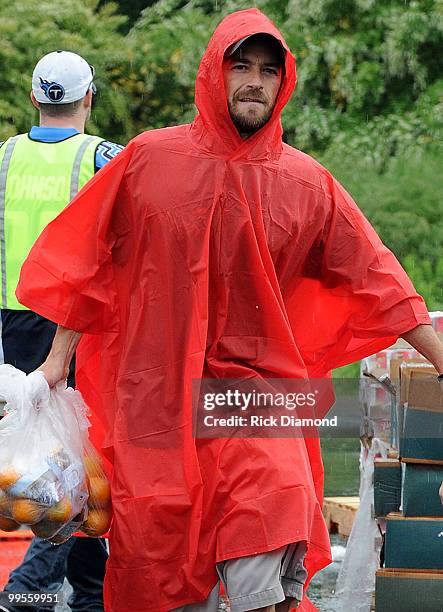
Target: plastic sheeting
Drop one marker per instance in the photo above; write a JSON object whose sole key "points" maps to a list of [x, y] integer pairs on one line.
{"points": [[378, 398], [196, 253], [356, 580]]}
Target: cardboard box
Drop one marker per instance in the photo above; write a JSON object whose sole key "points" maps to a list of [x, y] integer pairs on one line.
{"points": [[386, 378], [380, 389], [387, 486], [421, 420], [408, 591], [413, 543], [420, 490], [414, 379]]}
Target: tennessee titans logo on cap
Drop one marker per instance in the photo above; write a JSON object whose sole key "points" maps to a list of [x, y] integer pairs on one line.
{"points": [[53, 91]]}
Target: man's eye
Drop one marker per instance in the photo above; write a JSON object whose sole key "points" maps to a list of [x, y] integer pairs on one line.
{"points": [[239, 67], [273, 71]]}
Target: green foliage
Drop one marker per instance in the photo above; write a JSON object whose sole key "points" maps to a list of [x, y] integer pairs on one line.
{"points": [[363, 66], [376, 142], [31, 28], [131, 8], [350, 371], [404, 204], [366, 71], [170, 43]]}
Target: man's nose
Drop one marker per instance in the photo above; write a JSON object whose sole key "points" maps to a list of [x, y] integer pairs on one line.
{"points": [[256, 80]]}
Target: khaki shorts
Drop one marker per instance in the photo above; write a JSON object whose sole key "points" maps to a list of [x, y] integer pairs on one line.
{"points": [[258, 581]]}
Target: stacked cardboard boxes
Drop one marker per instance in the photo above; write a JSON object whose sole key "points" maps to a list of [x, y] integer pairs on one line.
{"points": [[412, 579], [379, 394], [401, 466]]}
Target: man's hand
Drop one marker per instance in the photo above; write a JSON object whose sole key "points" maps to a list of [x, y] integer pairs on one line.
{"points": [[56, 366], [54, 371], [424, 339]]}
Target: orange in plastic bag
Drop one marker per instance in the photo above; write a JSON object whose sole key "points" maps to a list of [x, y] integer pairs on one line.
{"points": [[99, 504], [7, 524], [26, 511], [8, 477], [97, 523]]}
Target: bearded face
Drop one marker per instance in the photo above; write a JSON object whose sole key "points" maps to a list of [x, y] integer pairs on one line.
{"points": [[252, 77]]}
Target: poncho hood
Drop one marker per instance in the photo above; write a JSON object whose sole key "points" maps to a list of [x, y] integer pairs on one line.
{"points": [[213, 128]]}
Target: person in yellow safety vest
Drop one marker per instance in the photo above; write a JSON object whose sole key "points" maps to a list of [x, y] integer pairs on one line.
{"points": [[40, 172]]}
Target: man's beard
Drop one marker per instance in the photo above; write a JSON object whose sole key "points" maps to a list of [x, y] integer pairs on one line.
{"points": [[249, 123]]}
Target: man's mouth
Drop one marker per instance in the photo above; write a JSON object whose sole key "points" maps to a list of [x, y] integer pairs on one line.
{"points": [[256, 100]]}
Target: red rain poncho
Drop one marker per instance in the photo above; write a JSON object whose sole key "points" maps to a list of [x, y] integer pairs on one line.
{"points": [[195, 253]]}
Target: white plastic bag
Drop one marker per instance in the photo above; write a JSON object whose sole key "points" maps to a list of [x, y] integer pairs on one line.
{"points": [[43, 482]]}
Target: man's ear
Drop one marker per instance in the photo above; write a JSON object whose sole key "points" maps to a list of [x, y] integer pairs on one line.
{"points": [[87, 100], [34, 100]]}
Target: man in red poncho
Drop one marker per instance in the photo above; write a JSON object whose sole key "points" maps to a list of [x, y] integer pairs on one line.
{"points": [[215, 250]]}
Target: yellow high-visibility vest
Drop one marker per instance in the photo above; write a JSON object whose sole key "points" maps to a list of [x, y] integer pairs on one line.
{"points": [[37, 180]]}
